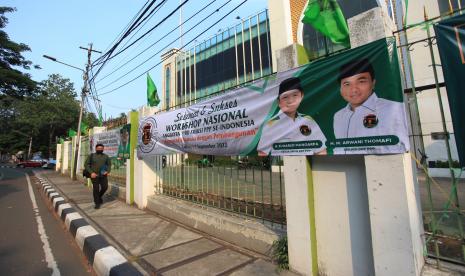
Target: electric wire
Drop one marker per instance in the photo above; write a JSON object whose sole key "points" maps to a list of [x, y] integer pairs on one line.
{"points": [[133, 28], [132, 52], [127, 26], [195, 38], [156, 42], [130, 29], [142, 36]]}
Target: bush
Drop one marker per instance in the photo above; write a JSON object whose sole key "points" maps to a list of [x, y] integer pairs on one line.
{"points": [[280, 254]]}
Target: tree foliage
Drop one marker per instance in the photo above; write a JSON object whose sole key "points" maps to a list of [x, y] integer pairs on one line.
{"points": [[43, 111], [13, 82]]}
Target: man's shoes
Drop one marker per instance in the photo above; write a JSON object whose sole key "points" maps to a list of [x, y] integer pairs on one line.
{"points": [[97, 206]]}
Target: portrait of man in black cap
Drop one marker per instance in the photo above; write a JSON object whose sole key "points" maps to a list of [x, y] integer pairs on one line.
{"points": [[289, 125], [365, 113]]}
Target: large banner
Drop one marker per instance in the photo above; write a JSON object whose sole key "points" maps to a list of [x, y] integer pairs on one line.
{"points": [[450, 34], [115, 141], [350, 103]]}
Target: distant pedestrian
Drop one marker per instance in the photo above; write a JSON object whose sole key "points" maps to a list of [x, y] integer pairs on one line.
{"points": [[99, 166]]}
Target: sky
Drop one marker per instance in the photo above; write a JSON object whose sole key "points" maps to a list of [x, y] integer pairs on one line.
{"points": [[58, 28]]}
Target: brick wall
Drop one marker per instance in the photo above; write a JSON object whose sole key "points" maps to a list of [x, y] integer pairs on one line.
{"points": [[297, 7]]}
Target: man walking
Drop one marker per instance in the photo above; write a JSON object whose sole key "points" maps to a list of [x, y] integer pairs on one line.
{"points": [[99, 166]]}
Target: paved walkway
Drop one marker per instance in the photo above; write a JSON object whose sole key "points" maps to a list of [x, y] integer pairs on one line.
{"points": [[158, 245]]}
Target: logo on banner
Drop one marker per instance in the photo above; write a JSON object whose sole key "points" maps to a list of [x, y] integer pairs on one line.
{"points": [[148, 135], [370, 121], [305, 130]]}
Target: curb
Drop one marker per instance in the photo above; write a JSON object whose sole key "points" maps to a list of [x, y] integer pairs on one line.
{"points": [[103, 257]]}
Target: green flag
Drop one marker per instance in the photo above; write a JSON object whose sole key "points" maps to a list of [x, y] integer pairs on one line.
{"points": [[152, 96], [84, 128], [327, 18], [71, 133]]}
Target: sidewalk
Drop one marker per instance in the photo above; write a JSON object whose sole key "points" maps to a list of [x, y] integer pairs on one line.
{"points": [[158, 245]]}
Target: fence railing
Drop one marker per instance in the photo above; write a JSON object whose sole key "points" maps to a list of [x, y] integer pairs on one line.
{"points": [[251, 186]]}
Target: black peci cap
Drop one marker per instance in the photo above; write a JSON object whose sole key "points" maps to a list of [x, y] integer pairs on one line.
{"points": [[290, 84], [355, 67]]}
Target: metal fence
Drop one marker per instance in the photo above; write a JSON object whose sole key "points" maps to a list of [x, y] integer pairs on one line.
{"points": [[252, 186], [441, 197], [118, 171], [84, 152]]}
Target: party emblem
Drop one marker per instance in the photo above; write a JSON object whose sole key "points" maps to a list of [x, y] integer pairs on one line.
{"points": [[148, 135], [305, 130], [370, 121]]}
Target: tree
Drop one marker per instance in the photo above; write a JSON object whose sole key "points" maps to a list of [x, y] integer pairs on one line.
{"points": [[54, 110], [13, 83]]}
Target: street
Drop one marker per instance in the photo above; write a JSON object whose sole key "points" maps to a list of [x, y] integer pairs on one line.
{"points": [[32, 240]]}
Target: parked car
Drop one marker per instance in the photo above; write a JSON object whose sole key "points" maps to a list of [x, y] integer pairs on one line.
{"points": [[50, 164], [30, 164]]}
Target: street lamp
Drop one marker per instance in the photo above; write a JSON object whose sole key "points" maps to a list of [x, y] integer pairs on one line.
{"points": [[83, 95]]}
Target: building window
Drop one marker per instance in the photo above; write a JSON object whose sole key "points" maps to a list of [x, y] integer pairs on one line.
{"points": [[445, 8], [167, 87]]}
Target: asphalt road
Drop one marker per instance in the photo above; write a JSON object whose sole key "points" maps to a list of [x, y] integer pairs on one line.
{"points": [[33, 241]]}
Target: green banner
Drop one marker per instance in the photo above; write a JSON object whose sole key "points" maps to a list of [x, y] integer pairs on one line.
{"points": [[349, 103], [450, 34]]}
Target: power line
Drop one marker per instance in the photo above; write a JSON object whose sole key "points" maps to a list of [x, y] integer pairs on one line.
{"points": [[127, 26], [163, 37], [127, 56], [134, 26], [146, 33], [130, 29], [165, 48]]}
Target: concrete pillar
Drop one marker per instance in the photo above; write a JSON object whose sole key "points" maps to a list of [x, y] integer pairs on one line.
{"points": [[299, 194], [146, 171], [80, 163], [280, 18], [58, 158], [393, 194], [146, 175], [341, 216], [300, 215], [395, 218], [66, 155]]}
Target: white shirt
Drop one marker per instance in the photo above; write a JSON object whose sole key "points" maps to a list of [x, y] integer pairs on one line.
{"points": [[391, 120], [282, 128]]}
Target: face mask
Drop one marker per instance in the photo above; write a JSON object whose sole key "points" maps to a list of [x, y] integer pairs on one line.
{"points": [[99, 151]]}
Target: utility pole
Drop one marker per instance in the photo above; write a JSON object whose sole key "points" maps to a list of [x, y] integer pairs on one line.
{"points": [[85, 89]]}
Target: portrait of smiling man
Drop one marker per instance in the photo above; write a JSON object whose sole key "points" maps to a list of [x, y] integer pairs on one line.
{"points": [[289, 125], [365, 113]]}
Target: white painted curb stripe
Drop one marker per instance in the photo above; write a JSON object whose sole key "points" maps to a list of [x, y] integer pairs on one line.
{"points": [[51, 263], [82, 233], [55, 200], [62, 207], [53, 194], [70, 217], [105, 259]]}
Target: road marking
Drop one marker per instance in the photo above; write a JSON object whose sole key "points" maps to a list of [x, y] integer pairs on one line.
{"points": [[51, 263]]}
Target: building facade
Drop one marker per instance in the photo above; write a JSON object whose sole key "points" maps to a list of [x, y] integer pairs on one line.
{"points": [[245, 52], [240, 54]]}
